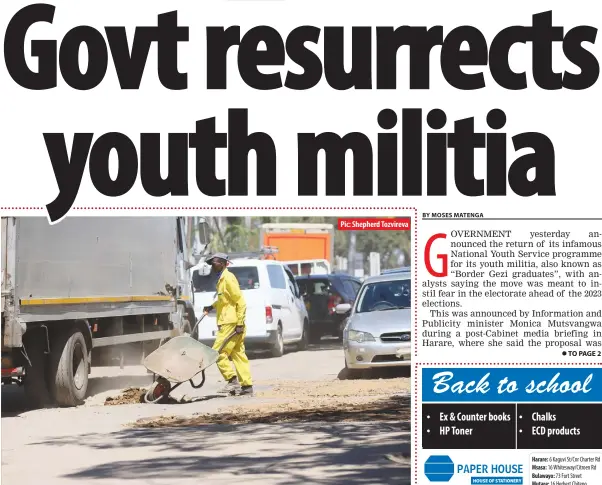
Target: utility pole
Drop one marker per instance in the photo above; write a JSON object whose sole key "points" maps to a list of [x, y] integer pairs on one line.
{"points": [[219, 232], [190, 242], [351, 254]]}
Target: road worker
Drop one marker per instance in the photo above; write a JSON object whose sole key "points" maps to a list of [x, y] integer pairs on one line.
{"points": [[231, 310]]}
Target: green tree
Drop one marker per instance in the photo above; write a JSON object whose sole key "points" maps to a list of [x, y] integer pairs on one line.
{"points": [[234, 236], [392, 245]]}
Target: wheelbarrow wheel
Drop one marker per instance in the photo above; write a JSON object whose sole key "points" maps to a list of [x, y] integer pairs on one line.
{"points": [[158, 391]]}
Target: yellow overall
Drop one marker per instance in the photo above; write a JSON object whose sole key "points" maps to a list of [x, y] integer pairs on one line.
{"points": [[231, 310]]}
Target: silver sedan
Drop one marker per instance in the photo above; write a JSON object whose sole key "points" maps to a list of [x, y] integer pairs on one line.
{"points": [[378, 332]]}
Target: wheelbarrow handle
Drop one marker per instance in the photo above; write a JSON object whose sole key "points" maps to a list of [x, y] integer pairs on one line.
{"points": [[198, 386], [197, 322], [237, 330]]}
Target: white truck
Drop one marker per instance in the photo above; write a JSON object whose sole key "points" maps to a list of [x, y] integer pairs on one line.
{"points": [[88, 290]]}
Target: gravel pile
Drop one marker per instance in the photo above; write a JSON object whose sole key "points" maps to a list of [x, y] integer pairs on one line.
{"points": [[303, 401], [131, 395]]}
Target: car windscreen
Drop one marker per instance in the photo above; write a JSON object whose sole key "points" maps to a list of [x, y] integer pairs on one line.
{"points": [[247, 276], [385, 295]]}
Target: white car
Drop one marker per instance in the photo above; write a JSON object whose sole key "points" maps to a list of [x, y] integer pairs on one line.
{"points": [[276, 314], [378, 332]]}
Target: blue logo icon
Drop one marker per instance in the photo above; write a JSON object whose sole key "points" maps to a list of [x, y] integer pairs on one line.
{"points": [[439, 468]]}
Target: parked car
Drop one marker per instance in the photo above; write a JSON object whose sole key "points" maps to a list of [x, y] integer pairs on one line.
{"points": [[378, 332], [276, 315], [402, 270], [322, 293]]}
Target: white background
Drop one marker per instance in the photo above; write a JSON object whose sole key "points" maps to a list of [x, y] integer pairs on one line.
{"points": [[569, 118]]}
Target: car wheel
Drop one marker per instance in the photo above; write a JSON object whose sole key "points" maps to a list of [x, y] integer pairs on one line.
{"points": [[353, 374], [304, 337], [341, 329], [278, 348]]}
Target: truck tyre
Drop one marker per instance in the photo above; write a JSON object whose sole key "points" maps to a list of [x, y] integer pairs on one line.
{"points": [[69, 368], [188, 324], [186, 327], [187, 319], [278, 347], [35, 383]]}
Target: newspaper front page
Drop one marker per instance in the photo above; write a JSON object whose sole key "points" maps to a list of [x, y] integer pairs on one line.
{"points": [[407, 195]]}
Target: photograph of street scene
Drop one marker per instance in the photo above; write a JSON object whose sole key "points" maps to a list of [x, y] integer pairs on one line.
{"points": [[157, 348]]}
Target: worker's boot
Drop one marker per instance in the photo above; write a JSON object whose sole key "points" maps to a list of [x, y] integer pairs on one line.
{"points": [[231, 387], [246, 391]]}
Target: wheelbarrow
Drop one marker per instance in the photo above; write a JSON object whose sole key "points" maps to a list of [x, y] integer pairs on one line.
{"points": [[178, 360]]}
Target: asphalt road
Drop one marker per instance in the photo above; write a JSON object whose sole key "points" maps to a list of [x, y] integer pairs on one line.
{"points": [[92, 444]]}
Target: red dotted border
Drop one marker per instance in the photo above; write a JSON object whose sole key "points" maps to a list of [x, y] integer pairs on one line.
{"points": [[414, 228], [416, 431], [285, 208], [415, 340], [21, 208]]}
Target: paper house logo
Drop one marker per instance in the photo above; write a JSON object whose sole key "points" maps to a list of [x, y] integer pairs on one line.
{"points": [[439, 468]]}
